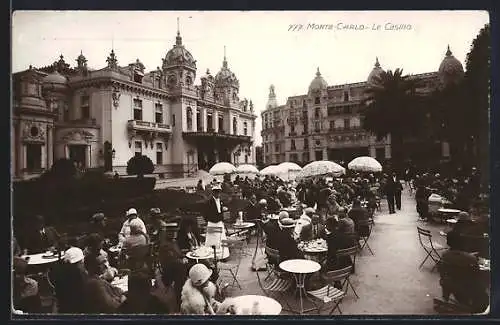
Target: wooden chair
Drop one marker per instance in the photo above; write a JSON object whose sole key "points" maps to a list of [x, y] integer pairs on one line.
{"points": [[329, 293], [364, 237], [236, 249], [430, 247]]}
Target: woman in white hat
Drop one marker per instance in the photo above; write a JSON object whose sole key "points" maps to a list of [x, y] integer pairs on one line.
{"points": [[125, 230], [198, 292]]}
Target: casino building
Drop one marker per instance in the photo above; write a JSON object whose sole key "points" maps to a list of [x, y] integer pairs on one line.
{"points": [[101, 118], [325, 123]]}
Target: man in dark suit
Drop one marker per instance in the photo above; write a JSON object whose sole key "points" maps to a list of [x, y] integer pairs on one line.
{"points": [[390, 192], [41, 238], [398, 189], [357, 214]]}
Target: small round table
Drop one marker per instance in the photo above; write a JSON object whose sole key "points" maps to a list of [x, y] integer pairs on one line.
{"points": [[40, 258], [315, 251], [447, 213], [223, 256], [300, 268], [267, 306], [244, 225]]}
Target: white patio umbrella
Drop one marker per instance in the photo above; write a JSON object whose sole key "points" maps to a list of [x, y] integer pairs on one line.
{"points": [[288, 170], [269, 170], [222, 168], [247, 169], [320, 168], [365, 164]]}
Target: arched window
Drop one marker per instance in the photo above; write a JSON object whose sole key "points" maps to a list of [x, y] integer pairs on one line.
{"points": [[189, 118], [245, 128], [235, 126]]}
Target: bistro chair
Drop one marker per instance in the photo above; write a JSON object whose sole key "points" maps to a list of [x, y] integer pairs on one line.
{"points": [[351, 252], [236, 249], [273, 286], [329, 293], [364, 236], [273, 259], [430, 247]]}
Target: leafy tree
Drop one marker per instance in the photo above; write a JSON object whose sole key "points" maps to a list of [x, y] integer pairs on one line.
{"points": [[392, 107], [477, 83], [140, 165], [63, 169]]}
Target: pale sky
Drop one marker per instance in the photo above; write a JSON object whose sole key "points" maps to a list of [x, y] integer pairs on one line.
{"points": [[261, 47]]}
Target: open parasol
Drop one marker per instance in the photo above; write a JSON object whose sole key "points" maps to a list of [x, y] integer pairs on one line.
{"points": [[222, 168], [365, 164]]}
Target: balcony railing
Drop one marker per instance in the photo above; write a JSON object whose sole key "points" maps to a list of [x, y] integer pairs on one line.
{"points": [[149, 126]]}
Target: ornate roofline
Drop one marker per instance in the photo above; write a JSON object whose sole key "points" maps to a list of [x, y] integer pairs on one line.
{"points": [[121, 84]]}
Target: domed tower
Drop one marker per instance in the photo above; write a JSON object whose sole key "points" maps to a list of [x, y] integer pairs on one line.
{"points": [[179, 67], [81, 62], [318, 85], [271, 101], [374, 76], [451, 71], [227, 85], [55, 90]]}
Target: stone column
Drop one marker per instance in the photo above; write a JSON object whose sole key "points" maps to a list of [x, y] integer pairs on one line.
{"points": [[66, 151], [88, 158], [215, 120], [50, 146], [373, 152], [204, 119], [24, 156], [43, 157]]}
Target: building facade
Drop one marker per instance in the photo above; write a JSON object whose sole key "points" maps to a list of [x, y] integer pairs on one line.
{"points": [[325, 123], [102, 118]]}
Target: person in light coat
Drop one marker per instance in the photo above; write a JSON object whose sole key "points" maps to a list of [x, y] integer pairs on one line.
{"points": [[125, 230]]}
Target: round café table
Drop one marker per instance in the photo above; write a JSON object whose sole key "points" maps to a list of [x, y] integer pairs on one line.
{"points": [[315, 251], [300, 268], [447, 214], [41, 258], [225, 254], [267, 306], [244, 225]]}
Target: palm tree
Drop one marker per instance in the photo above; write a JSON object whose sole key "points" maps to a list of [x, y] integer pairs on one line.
{"points": [[392, 107]]}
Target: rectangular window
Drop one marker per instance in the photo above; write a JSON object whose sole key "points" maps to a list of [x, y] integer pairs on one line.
{"points": [[33, 156], [316, 100], [317, 127], [276, 148], [221, 124], [294, 157], [159, 153], [346, 96], [332, 125], [210, 123], [292, 145], [305, 157], [159, 113], [319, 154], [245, 128], [246, 159], [173, 119], [347, 109], [317, 112], [85, 107], [137, 109], [347, 124], [138, 147], [199, 126], [306, 143]]}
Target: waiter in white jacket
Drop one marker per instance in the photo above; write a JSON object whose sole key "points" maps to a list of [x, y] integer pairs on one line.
{"points": [[125, 231], [213, 214]]}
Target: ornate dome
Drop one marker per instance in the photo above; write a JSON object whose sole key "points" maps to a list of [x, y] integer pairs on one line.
{"points": [[318, 83], [178, 55], [375, 73], [450, 69], [55, 78], [225, 77]]}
